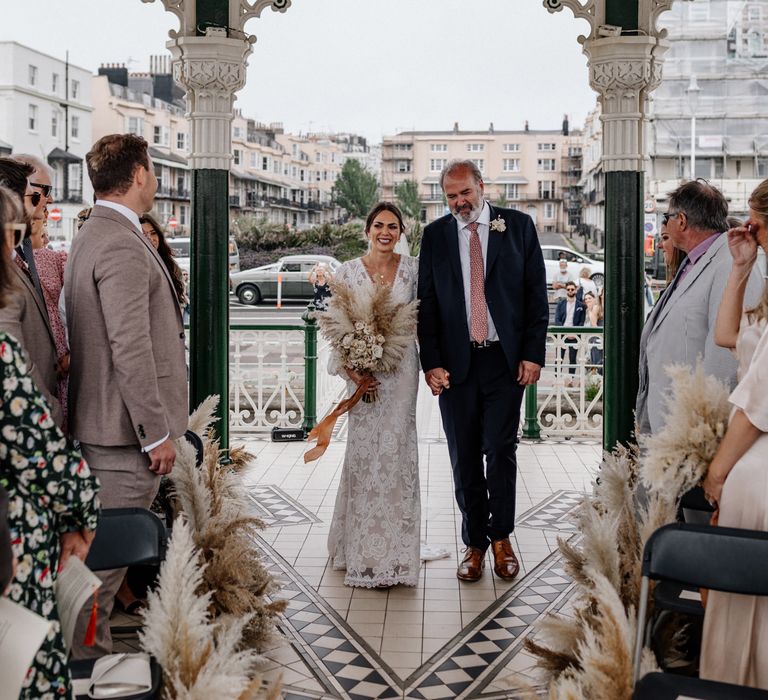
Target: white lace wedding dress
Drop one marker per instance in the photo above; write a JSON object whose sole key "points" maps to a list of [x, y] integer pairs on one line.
{"points": [[374, 534]]}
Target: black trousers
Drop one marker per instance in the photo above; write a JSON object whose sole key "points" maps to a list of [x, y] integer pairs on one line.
{"points": [[481, 417]]}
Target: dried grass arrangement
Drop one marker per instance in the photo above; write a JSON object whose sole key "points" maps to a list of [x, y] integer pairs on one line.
{"points": [[638, 491], [211, 600]]}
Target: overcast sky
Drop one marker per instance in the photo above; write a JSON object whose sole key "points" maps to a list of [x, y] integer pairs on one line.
{"points": [[367, 66]]}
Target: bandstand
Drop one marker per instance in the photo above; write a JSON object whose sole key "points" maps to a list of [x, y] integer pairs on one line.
{"points": [[625, 52]]}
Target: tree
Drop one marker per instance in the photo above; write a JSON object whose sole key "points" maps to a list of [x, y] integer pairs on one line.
{"points": [[501, 200], [407, 195], [356, 189]]}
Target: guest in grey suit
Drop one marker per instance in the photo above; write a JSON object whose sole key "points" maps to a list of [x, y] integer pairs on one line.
{"points": [[681, 326], [128, 383], [24, 315]]}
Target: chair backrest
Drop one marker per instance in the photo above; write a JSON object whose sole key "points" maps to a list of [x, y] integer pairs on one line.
{"points": [[721, 558], [125, 537]]}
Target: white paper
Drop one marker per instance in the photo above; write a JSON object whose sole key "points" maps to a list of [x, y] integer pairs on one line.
{"points": [[686, 697], [21, 634], [74, 586], [690, 595], [120, 675]]}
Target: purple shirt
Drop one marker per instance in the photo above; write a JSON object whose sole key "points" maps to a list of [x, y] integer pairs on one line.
{"points": [[695, 255]]}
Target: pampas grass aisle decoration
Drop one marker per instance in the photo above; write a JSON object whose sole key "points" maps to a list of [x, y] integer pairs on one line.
{"points": [[212, 500], [589, 654], [201, 657]]}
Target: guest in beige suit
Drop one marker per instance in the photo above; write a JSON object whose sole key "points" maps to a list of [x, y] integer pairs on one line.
{"points": [[25, 316], [128, 385]]}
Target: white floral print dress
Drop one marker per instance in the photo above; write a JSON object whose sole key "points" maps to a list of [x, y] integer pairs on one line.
{"points": [[50, 491], [374, 534]]}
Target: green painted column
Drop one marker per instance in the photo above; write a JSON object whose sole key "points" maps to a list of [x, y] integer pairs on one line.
{"points": [[310, 368], [623, 303], [209, 318]]}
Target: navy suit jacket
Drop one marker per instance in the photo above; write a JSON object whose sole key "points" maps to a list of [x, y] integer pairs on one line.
{"points": [[515, 291], [579, 313]]}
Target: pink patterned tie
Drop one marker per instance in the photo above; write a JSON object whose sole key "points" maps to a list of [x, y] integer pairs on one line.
{"points": [[478, 308]]}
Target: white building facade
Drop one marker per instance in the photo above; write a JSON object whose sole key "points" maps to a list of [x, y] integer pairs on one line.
{"points": [[45, 111]]}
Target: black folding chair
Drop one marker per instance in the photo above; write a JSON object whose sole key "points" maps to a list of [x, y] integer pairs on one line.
{"points": [[717, 558], [125, 537]]}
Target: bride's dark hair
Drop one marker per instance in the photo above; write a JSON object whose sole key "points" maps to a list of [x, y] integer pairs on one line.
{"points": [[380, 207]]}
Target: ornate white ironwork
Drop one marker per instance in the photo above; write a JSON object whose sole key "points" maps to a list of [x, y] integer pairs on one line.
{"points": [[570, 395], [254, 8], [266, 376], [581, 10]]}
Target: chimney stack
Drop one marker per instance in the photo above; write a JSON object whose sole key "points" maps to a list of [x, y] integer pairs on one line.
{"points": [[566, 128]]}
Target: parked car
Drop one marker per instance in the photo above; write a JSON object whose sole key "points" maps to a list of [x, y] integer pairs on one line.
{"points": [[259, 283], [181, 248], [552, 255]]}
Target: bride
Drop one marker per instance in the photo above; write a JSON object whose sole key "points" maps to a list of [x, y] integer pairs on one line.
{"points": [[374, 534]]}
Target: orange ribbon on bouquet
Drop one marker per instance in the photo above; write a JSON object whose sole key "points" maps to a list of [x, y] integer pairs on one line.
{"points": [[323, 430]]}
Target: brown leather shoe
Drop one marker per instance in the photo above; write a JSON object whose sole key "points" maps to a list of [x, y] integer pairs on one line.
{"points": [[472, 565], [505, 564]]}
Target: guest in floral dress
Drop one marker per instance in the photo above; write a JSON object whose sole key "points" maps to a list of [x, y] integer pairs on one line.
{"points": [[50, 268], [53, 508]]}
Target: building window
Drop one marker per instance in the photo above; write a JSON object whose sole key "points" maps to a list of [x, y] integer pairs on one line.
{"points": [[546, 164], [475, 147], [407, 147], [32, 75], [546, 189], [549, 210], [237, 155], [135, 126], [183, 215], [75, 89], [513, 191], [32, 124], [403, 166], [181, 141], [237, 132], [511, 147], [55, 83], [762, 167], [546, 146], [54, 124], [161, 135], [438, 147], [437, 164], [480, 163], [75, 128], [436, 192], [511, 165], [264, 163]]}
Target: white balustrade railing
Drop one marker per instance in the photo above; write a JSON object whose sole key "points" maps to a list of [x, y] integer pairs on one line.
{"points": [[570, 391]]}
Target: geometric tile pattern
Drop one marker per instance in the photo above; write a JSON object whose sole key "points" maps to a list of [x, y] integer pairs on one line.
{"points": [[276, 508], [555, 513], [346, 666]]}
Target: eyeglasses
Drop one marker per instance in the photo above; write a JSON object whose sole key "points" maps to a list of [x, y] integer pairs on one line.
{"points": [[45, 189], [668, 216], [18, 232], [35, 197]]}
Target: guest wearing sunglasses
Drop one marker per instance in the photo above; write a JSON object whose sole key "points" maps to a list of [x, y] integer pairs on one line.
{"points": [[24, 315], [681, 327]]}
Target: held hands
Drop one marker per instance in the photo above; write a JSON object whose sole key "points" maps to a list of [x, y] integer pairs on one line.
{"points": [[743, 246], [437, 380], [528, 373], [162, 458], [75, 544]]}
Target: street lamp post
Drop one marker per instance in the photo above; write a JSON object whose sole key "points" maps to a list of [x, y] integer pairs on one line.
{"points": [[693, 91]]}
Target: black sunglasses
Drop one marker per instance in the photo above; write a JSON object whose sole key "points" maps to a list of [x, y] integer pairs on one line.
{"points": [[45, 189], [667, 217], [18, 233], [35, 197]]}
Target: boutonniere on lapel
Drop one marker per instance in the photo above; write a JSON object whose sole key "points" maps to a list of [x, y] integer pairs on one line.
{"points": [[498, 224]]}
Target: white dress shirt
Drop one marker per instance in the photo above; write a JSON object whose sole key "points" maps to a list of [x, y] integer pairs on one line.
{"points": [[570, 308], [483, 228], [133, 217]]}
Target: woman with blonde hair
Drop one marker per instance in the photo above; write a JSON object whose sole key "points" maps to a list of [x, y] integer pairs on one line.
{"points": [[735, 640]]}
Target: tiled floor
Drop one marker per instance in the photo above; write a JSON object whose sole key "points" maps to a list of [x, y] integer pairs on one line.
{"points": [[441, 639]]}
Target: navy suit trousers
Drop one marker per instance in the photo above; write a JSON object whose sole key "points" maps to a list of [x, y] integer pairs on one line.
{"points": [[481, 416]]}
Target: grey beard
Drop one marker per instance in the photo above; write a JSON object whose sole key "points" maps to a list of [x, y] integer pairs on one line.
{"points": [[473, 215]]}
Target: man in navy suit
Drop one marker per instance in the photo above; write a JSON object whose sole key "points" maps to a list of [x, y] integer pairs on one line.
{"points": [[482, 330], [570, 312]]}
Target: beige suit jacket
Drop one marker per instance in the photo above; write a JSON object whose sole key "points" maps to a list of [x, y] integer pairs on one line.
{"points": [[24, 316], [128, 374]]}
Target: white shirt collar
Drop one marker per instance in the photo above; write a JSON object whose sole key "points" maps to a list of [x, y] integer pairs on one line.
{"points": [[129, 214]]}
